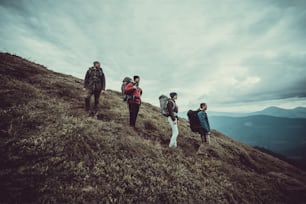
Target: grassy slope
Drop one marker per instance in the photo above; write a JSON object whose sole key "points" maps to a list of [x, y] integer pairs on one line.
{"points": [[51, 152]]}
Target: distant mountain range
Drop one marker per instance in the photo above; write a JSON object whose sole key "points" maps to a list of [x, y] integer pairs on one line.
{"points": [[299, 112], [286, 136]]}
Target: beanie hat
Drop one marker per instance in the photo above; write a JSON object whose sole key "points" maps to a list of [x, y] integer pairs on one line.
{"points": [[96, 62], [136, 77], [172, 94]]}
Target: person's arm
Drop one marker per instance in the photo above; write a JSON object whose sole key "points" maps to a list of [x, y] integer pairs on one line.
{"points": [[208, 124], [103, 81], [86, 80], [202, 120], [129, 88], [170, 110]]}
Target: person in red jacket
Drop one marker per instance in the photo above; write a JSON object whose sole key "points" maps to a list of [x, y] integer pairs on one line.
{"points": [[134, 101]]}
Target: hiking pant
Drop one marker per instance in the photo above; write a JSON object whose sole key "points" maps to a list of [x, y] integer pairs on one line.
{"points": [[96, 94], [204, 135], [175, 132], [134, 109]]}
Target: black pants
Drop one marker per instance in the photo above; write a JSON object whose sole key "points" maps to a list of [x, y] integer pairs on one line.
{"points": [[203, 134], [134, 109], [96, 94]]}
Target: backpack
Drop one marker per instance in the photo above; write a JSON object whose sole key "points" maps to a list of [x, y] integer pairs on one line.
{"points": [[125, 97], [163, 101], [194, 121], [91, 69]]}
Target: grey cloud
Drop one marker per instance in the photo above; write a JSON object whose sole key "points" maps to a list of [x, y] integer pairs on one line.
{"points": [[287, 4], [281, 77], [18, 6], [201, 48]]}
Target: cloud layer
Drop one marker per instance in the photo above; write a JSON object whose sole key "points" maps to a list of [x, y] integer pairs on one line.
{"points": [[229, 53]]}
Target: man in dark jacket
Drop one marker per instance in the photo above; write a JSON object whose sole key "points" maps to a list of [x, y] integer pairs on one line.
{"points": [[133, 90], [94, 84], [173, 118], [205, 127]]}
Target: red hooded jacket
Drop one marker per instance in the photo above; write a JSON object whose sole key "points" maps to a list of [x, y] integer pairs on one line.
{"points": [[135, 92]]}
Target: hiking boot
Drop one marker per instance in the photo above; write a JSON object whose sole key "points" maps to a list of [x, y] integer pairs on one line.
{"points": [[91, 114], [203, 138], [96, 109], [173, 146], [203, 150]]}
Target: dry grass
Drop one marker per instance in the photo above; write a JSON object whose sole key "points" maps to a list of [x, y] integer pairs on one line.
{"points": [[51, 152]]}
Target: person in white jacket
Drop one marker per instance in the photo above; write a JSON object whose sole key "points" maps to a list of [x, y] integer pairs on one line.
{"points": [[173, 118]]}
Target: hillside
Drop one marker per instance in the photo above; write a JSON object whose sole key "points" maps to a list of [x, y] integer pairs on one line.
{"points": [[51, 152]]}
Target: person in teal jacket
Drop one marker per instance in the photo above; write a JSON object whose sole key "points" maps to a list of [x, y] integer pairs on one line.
{"points": [[205, 127]]}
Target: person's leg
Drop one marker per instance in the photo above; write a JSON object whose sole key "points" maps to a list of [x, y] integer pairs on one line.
{"points": [[87, 100], [131, 114], [203, 135], [171, 144], [174, 128], [135, 113], [207, 137], [97, 98], [176, 133]]}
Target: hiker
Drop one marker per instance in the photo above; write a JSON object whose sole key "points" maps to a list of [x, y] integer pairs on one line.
{"points": [[204, 130], [134, 101], [173, 118], [94, 84]]}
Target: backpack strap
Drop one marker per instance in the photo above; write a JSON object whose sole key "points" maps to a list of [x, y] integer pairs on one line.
{"points": [[101, 71], [174, 104], [91, 69]]}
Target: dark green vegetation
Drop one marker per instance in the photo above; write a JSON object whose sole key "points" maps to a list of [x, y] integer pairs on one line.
{"points": [[298, 164], [50, 152]]}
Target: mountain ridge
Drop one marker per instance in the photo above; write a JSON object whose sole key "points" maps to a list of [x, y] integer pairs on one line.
{"points": [[297, 112], [50, 151]]}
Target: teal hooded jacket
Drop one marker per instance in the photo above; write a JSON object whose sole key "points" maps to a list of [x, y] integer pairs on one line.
{"points": [[202, 115]]}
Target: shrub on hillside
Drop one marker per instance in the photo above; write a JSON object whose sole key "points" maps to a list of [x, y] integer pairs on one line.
{"points": [[150, 124]]}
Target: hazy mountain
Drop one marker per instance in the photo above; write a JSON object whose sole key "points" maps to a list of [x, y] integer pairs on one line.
{"points": [[299, 112], [277, 134], [52, 152]]}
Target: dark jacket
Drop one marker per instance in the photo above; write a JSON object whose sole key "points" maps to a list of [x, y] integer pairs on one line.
{"points": [[136, 93], [94, 79], [172, 109], [202, 115]]}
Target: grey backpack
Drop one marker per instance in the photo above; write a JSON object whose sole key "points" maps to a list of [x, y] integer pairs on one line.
{"points": [[125, 82], [163, 101]]}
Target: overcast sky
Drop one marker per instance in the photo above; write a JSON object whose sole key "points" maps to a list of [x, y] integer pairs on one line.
{"points": [[236, 55]]}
